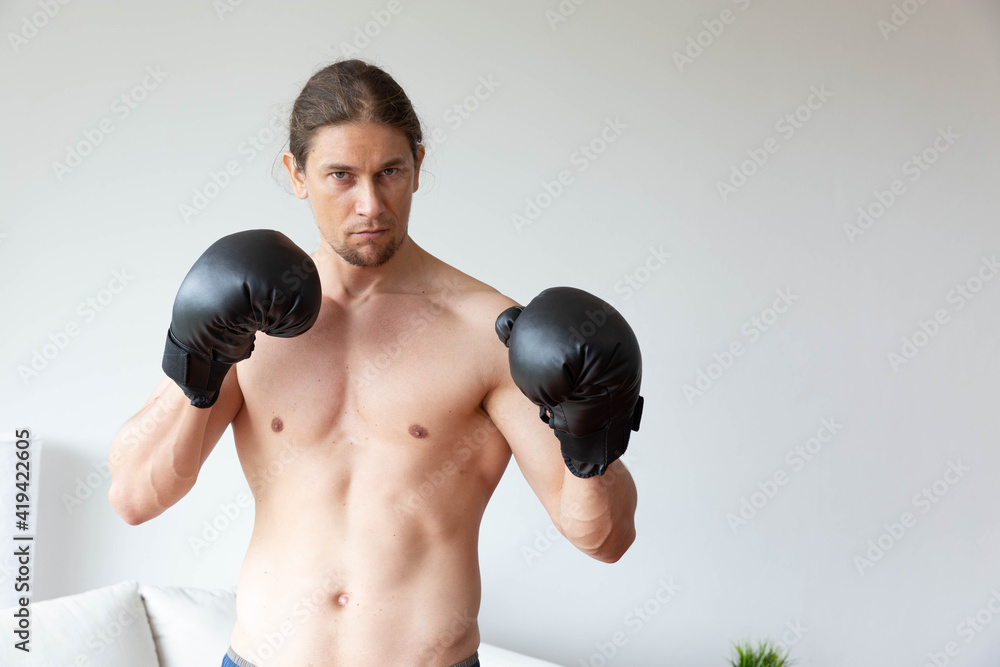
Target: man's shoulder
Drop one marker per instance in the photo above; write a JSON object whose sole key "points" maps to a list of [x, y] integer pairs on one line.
{"points": [[469, 298], [474, 306]]}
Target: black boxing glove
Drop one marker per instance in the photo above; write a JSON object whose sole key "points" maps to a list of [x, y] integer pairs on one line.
{"points": [[576, 357], [257, 280]]}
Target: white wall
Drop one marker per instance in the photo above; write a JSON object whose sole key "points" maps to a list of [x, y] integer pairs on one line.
{"points": [[655, 186]]}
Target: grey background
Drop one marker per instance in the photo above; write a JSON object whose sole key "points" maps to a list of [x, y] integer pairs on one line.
{"points": [[687, 127]]}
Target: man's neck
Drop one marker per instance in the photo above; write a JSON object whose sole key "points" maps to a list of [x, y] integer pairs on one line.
{"points": [[346, 282]]}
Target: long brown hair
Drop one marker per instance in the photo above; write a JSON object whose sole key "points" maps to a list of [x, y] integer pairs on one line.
{"points": [[349, 91]]}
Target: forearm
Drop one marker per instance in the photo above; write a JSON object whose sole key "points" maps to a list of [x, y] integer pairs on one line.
{"points": [[597, 514], [156, 456]]}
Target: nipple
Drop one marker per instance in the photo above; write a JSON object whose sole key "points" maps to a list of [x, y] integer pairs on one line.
{"points": [[277, 424], [418, 431]]}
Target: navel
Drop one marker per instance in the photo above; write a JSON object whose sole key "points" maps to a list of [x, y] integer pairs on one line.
{"points": [[277, 424], [343, 599], [418, 431]]}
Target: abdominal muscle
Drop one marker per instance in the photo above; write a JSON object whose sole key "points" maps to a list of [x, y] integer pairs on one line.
{"points": [[356, 557]]}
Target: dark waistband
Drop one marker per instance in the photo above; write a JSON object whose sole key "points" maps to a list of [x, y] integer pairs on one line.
{"points": [[468, 662]]}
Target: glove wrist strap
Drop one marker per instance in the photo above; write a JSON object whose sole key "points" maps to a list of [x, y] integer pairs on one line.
{"points": [[591, 454], [198, 375]]}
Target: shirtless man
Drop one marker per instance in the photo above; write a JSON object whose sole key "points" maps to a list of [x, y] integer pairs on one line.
{"points": [[375, 421]]}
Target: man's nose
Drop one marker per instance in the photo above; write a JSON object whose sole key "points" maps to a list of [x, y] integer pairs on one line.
{"points": [[369, 201]]}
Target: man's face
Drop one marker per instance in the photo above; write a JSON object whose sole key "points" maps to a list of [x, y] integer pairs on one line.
{"points": [[359, 179]]}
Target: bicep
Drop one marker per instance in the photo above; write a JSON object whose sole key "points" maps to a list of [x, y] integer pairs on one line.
{"points": [[533, 444]]}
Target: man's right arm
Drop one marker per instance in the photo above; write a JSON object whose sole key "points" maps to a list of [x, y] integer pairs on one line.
{"points": [[240, 285], [156, 456]]}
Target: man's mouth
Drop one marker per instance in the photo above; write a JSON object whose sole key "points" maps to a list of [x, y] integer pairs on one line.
{"points": [[370, 233]]}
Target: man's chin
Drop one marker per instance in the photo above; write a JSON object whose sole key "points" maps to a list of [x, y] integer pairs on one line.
{"points": [[369, 255]]}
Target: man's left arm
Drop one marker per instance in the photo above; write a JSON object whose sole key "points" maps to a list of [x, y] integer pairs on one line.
{"points": [[595, 514], [566, 398]]}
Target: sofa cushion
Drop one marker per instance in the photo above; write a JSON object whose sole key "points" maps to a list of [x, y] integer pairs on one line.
{"points": [[492, 656], [191, 626], [106, 626]]}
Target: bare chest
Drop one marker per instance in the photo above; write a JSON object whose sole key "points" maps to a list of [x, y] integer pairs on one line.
{"points": [[404, 373]]}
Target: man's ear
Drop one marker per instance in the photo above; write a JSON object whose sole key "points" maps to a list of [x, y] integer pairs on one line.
{"points": [[297, 177], [420, 161]]}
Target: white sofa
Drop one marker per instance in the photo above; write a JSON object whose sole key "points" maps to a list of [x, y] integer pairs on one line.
{"points": [[132, 625]]}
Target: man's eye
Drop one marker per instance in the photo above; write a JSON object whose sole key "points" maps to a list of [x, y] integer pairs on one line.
{"points": [[343, 174], [393, 170]]}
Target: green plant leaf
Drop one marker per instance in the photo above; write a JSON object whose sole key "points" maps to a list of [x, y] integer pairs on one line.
{"points": [[765, 654]]}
